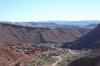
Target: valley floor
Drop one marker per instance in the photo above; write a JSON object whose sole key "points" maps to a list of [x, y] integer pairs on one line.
{"points": [[55, 58]]}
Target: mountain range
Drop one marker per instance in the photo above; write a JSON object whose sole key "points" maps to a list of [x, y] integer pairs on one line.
{"points": [[26, 34], [20, 42]]}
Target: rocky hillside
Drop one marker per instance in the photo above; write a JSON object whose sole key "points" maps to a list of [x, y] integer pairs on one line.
{"points": [[92, 59], [32, 35], [11, 53], [90, 40], [8, 56]]}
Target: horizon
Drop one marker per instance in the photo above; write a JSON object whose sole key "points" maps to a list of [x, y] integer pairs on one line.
{"points": [[54, 21], [77, 23], [44, 10]]}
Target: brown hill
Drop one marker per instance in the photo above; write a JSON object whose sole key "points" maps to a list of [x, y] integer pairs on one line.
{"points": [[90, 40], [15, 33]]}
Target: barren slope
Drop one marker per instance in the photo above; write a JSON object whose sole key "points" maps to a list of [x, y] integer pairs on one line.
{"points": [[90, 40], [93, 59], [8, 56], [17, 33]]}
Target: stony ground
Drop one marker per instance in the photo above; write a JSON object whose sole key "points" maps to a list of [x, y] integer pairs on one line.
{"points": [[60, 57]]}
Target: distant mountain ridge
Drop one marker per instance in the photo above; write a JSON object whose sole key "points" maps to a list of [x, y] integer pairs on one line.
{"points": [[56, 23], [46, 25], [91, 26]]}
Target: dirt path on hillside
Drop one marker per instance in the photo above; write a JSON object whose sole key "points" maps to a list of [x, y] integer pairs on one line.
{"points": [[60, 59]]}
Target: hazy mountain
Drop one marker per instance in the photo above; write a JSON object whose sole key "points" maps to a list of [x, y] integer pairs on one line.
{"points": [[81, 22], [45, 25], [58, 24], [90, 26], [76, 23]]}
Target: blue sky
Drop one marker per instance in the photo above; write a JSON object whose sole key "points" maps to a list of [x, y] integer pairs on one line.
{"points": [[42, 10]]}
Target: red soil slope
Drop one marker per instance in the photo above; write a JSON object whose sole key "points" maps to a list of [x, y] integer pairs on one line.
{"points": [[8, 56]]}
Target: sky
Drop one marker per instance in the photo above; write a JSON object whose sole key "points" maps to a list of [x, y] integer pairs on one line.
{"points": [[43, 10]]}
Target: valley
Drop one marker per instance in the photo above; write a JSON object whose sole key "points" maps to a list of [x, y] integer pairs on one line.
{"points": [[36, 46], [49, 32]]}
